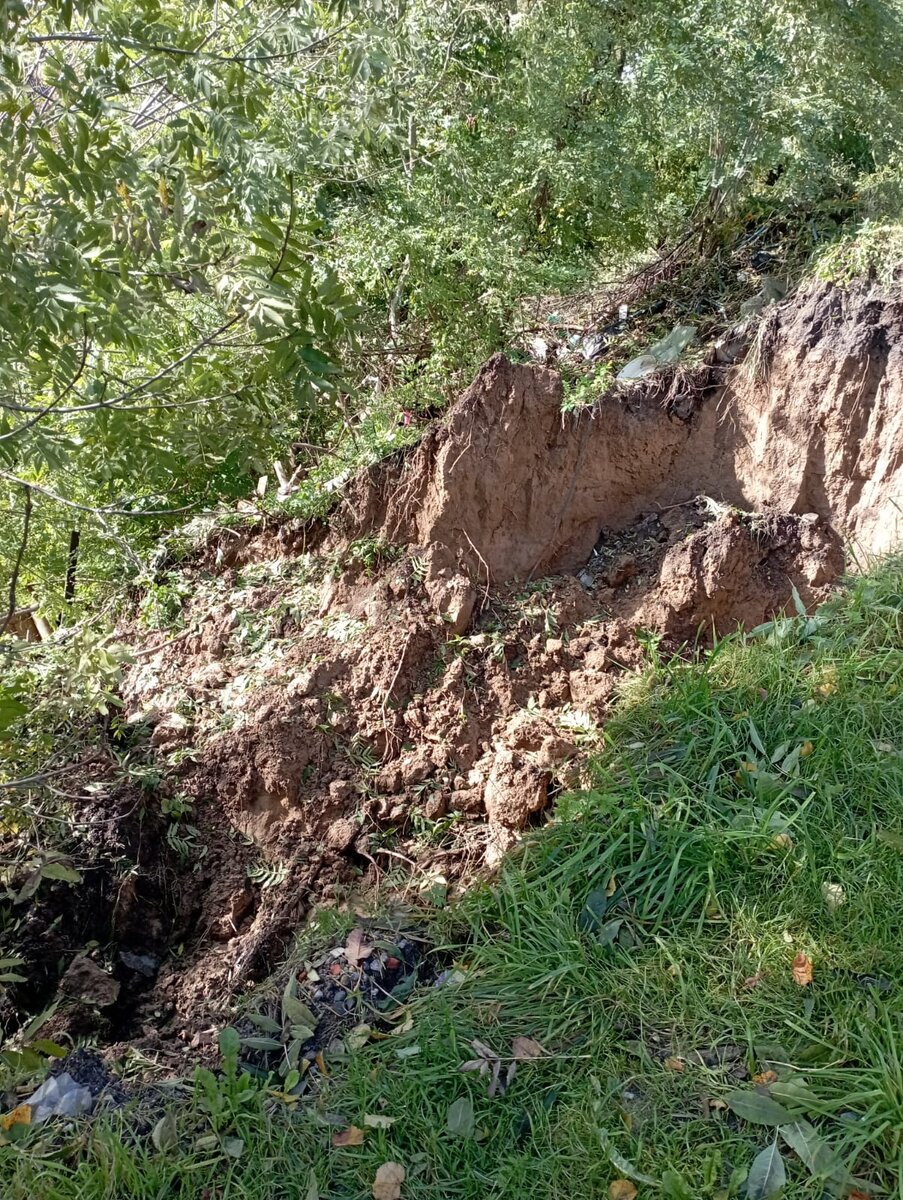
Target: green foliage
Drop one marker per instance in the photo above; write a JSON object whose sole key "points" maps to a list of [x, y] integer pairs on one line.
{"points": [[228, 230]]}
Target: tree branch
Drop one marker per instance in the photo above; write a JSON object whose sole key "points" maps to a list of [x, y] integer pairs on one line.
{"points": [[41, 413], [288, 228], [110, 511], [23, 544]]}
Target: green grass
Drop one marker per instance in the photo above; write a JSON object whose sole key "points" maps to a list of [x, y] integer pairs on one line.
{"points": [[720, 865]]}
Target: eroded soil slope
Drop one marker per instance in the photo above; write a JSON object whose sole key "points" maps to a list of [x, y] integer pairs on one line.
{"points": [[810, 422], [395, 698]]}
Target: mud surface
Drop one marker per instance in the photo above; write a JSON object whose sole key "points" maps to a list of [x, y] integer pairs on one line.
{"points": [[384, 706]]}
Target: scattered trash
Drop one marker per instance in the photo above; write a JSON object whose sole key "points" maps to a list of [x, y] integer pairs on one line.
{"points": [[59, 1096], [668, 350], [833, 895], [539, 349], [802, 969], [594, 347]]}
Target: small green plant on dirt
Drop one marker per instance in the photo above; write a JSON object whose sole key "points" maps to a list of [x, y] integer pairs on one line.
{"points": [[285, 1028], [162, 603], [253, 630], [418, 568], [584, 390], [226, 1098], [369, 554], [177, 806], [584, 731], [185, 840], [267, 875]]}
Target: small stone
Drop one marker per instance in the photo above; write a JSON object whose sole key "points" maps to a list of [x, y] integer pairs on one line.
{"points": [[435, 807], [341, 833], [621, 570], [335, 969], [318, 994], [85, 980], [340, 995], [144, 964], [392, 963]]}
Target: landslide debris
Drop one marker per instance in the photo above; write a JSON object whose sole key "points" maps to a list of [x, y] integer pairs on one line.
{"points": [[389, 701]]}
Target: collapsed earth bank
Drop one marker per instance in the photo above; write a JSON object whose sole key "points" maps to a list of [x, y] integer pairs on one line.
{"points": [[394, 698]]}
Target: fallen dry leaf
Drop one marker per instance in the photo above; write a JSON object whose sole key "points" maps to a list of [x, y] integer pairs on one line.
{"points": [[802, 969], [765, 1077], [357, 948], [375, 1121], [857, 1195], [621, 1189], [483, 1050], [475, 1064], [611, 887], [753, 981], [352, 1136], [21, 1115], [524, 1048], [674, 1064], [388, 1181]]}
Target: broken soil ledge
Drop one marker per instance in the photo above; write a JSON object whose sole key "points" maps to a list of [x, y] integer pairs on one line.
{"points": [[316, 731]]}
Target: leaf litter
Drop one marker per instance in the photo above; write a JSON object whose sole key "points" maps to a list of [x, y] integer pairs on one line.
{"points": [[387, 1184]]}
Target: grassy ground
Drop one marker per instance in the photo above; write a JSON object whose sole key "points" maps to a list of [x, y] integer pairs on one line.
{"points": [[747, 826]]}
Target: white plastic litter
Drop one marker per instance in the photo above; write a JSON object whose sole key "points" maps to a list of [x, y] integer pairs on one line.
{"points": [[668, 350], [59, 1096]]}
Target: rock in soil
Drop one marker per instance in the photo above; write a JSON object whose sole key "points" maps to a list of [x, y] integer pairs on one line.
{"points": [[85, 980]]}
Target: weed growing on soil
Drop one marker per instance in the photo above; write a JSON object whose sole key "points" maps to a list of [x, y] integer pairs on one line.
{"points": [[705, 946]]}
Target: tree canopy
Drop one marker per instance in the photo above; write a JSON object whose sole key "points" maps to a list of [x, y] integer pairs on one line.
{"points": [[230, 228]]}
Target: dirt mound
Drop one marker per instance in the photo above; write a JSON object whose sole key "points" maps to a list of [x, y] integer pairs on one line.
{"points": [[394, 702], [812, 423]]}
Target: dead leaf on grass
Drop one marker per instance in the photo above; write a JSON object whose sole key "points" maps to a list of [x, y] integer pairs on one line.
{"points": [[524, 1048], [622, 1189], [674, 1064], [374, 1121], [766, 1077], [358, 1037], [483, 1050], [475, 1064], [20, 1115], [357, 948], [388, 1181], [165, 1134], [352, 1136], [802, 969]]}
